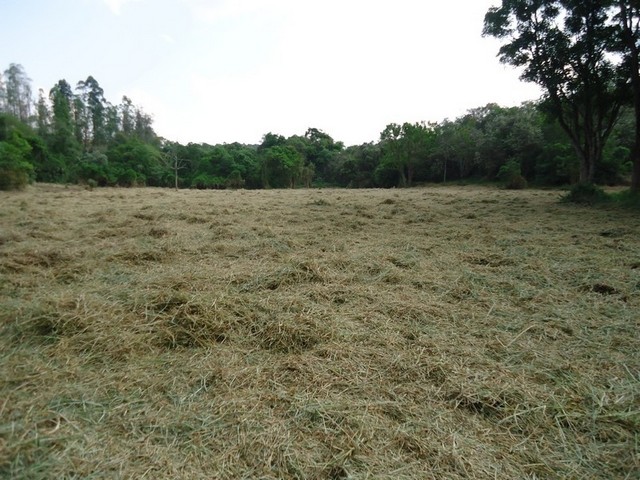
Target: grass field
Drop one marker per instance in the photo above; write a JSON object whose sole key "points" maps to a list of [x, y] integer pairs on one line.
{"points": [[434, 333]]}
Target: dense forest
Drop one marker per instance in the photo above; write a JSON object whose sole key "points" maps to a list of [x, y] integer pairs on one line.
{"points": [[75, 135], [583, 130]]}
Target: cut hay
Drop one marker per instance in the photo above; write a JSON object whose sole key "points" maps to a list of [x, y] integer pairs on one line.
{"points": [[317, 334]]}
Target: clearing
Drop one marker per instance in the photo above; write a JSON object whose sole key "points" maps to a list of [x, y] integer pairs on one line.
{"points": [[442, 332]]}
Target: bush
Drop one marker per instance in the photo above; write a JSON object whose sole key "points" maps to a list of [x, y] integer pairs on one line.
{"points": [[204, 181], [15, 177], [586, 193], [235, 180], [517, 182], [511, 175], [15, 171], [626, 198]]}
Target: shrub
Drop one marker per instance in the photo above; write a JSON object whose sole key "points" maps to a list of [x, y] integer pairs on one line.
{"points": [[204, 181], [585, 193], [235, 180], [15, 171], [511, 175]]}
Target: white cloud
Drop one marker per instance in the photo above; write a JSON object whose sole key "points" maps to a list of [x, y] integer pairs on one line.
{"points": [[346, 67], [116, 5], [212, 11], [168, 38]]}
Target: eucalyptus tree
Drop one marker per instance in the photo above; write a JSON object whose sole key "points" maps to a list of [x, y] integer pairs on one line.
{"points": [[143, 126], [562, 45], [92, 96], [17, 92], [43, 115], [62, 141], [127, 115], [3, 95]]}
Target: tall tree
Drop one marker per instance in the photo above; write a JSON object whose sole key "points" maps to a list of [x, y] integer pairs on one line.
{"points": [[3, 95], [43, 117], [112, 122], [562, 46], [393, 152], [18, 92], [93, 98], [281, 162], [405, 147], [628, 17], [63, 142], [143, 126], [127, 115]]}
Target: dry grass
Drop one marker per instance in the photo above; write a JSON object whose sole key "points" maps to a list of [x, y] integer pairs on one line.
{"points": [[425, 333]]}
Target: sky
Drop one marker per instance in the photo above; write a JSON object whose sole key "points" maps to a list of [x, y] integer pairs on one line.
{"points": [[223, 71]]}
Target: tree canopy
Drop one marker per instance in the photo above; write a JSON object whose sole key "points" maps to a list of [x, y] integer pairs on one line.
{"points": [[75, 134], [584, 54]]}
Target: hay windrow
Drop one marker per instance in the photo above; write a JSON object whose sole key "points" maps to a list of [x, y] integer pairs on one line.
{"points": [[317, 334]]}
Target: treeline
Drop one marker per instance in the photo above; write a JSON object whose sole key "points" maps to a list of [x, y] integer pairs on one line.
{"points": [[75, 135]]}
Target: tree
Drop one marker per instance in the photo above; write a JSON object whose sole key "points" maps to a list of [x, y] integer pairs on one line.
{"points": [[394, 155], [81, 125], [281, 165], [143, 127], [510, 135], [127, 112], [61, 97], [17, 91], [92, 96], [112, 122], [456, 145], [3, 95], [356, 165], [321, 152], [43, 115], [62, 142], [628, 17], [15, 169], [561, 44], [405, 147]]}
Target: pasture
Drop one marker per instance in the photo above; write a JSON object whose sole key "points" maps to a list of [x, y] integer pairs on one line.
{"points": [[431, 333]]}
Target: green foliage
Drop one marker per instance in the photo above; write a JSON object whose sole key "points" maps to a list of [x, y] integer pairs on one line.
{"points": [[386, 174], [235, 180], [586, 193], [562, 46], [321, 152], [134, 162], [626, 198], [16, 171], [406, 148], [205, 181], [355, 167], [81, 137], [511, 175], [282, 164]]}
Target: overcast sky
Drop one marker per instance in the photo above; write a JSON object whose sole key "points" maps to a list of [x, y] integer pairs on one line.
{"points": [[219, 71]]}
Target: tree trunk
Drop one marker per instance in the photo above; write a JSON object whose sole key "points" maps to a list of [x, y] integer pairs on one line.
{"points": [[409, 175], [403, 178], [634, 64], [588, 161], [635, 175], [175, 171]]}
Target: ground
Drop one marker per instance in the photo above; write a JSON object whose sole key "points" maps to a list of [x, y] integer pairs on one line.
{"points": [[428, 333]]}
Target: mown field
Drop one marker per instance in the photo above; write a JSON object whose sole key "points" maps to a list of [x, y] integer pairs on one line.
{"points": [[434, 333]]}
